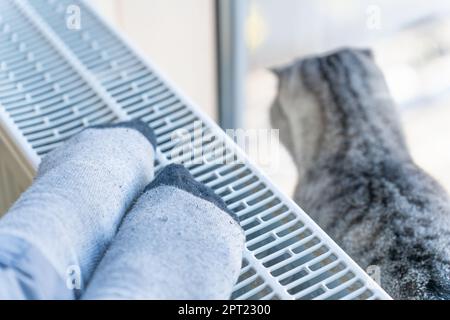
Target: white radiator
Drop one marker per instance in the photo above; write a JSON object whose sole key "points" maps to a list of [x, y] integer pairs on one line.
{"points": [[55, 81]]}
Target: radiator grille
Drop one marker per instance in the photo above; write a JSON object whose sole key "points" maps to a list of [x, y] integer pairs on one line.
{"points": [[46, 97]]}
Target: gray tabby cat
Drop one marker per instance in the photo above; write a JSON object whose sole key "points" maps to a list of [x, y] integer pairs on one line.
{"points": [[356, 177]]}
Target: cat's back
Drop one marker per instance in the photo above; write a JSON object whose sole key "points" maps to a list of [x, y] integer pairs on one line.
{"points": [[390, 214], [357, 179]]}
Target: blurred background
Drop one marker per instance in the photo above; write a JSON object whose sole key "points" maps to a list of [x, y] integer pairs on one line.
{"points": [[218, 52]]}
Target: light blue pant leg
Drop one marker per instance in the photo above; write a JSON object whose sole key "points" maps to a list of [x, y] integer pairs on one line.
{"points": [[25, 274]]}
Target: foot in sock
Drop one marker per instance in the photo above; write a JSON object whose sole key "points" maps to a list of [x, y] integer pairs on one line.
{"points": [[72, 210], [179, 241]]}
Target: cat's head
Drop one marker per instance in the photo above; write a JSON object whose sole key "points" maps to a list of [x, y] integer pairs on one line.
{"points": [[318, 95]]}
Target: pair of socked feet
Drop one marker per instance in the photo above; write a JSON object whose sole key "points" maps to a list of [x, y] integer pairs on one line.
{"points": [[97, 224]]}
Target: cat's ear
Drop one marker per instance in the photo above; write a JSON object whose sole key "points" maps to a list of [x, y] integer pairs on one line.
{"points": [[277, 71], [368, 53]]}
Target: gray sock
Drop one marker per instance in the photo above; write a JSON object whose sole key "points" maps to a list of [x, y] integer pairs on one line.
{"points": [[82, 189], [177, 242]]}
